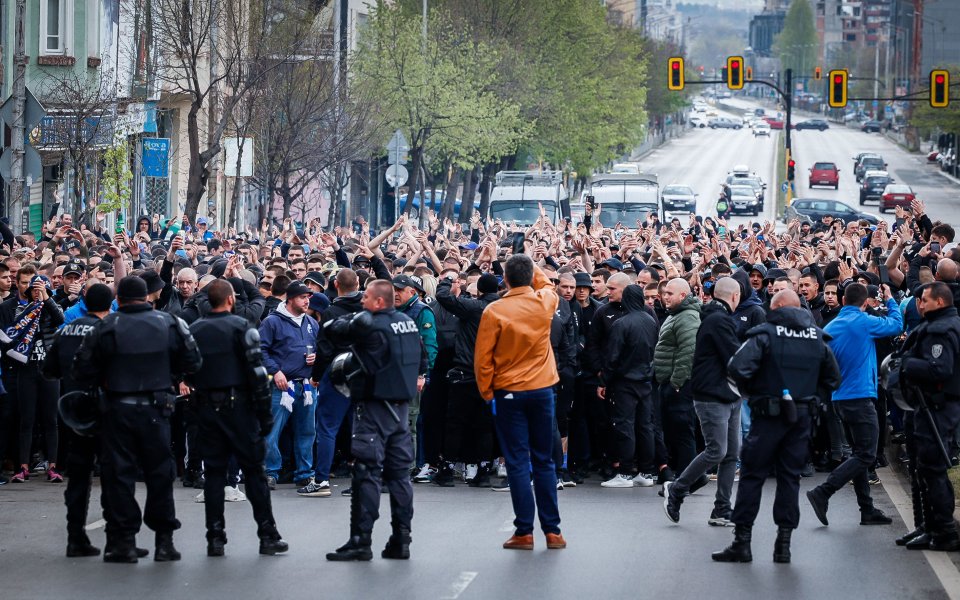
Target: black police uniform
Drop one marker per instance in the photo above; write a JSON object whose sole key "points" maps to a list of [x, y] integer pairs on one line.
{"points": [[134, 356], [233, 403], [81, 450], [931, 366], [788, 352], [388, 347]]}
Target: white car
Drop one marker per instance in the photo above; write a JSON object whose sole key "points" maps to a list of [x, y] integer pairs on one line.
{"points": [[697, 121], [761, 129]]}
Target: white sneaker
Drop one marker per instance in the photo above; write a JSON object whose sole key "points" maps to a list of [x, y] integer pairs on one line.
{"points": [[642, 480], [315, 490], [470, 472], [233, 494], [618, 481], [559, 484], [199, 498], [426, 471]]}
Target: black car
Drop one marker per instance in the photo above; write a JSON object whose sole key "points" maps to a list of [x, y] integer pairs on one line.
{"points": [[812, 210], [818, 124], [869, 163], [872, 187], [873, 126]]}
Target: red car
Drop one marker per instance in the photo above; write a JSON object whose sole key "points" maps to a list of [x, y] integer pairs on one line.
{"points": [[894, 195], [825, 173], [774, 122]]}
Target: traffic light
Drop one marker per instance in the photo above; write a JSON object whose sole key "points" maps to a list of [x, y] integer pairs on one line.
{"points": [[735, 72], [749, 73], [675, 73], [818, 73], [791, 169], [939, 88], [838, 89]]}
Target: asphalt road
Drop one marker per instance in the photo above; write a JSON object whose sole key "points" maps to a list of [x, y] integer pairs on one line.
{"points": [[620, 546]]}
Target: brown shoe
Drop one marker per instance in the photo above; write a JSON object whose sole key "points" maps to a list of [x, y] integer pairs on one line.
{"points": [[555, 541], [519, 542]]}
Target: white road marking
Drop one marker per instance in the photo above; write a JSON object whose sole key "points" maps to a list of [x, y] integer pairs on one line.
{"points": [[95, 525], [940, 562], [460, 585]]}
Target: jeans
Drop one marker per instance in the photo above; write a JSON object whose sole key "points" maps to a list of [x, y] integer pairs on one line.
{"points": [[860, 418], [720, 424], [525, 426], [332, 407], [744, 420], [304, 431]]}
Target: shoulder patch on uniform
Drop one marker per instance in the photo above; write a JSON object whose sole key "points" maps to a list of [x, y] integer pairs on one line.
{"points": [[427, 325], [936, 350]]}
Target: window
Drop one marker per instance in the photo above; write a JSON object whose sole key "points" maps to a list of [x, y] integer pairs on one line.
{"points": [[56, 27]]}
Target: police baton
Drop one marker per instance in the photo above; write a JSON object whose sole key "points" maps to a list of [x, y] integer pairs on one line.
{"points": [[392, 412], [933, 427]]}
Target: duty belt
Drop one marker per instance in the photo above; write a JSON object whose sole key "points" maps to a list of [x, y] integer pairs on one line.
{"points": [[220, 397], [145, 399]]}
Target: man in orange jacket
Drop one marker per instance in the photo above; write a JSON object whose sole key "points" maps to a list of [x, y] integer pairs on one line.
{"points": [[516, 371]]}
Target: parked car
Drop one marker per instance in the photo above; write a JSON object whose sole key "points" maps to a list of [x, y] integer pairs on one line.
{"points": [[680, 198], [761, 129], [697, 121], [818, 124], [869, 163], [724, 123], [873, 184], [812, 210], [825, 173], [894, 195], [871, 125]]}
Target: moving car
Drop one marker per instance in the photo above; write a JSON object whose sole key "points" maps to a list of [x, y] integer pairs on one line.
{"points": [[873, 184], [679, 198], [631, 168], [742, 199], [873, 126], [894, 195], [812, 210], [825, 173], [818, 124], [697, 121], [754, 182], [724, 123], [774, 122], [761, 129], [871, 162]]}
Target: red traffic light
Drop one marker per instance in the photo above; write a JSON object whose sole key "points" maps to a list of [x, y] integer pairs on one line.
{"points": [[735, 64], [675, 65], [791, 163], [838, 79], [940, 78]]}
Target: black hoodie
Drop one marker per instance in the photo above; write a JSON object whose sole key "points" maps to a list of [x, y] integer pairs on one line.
{"points": [[632, 338], [327, 350], [717, 342], [750, 312]]}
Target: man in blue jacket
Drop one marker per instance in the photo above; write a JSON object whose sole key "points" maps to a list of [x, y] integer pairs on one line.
{"points": [[288, 339], [853, 332]]}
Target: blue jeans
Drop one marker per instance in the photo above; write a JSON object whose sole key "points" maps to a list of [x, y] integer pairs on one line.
{"points": [[304, 432], [332, 407], [525, 424]]}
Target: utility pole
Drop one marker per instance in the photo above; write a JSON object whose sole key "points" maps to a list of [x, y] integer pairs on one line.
{"points": [[17, 130]]}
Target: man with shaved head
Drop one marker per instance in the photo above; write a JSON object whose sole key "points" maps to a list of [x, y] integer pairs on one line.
{"points": [[779, 370], [716, 405], [673, 365]]}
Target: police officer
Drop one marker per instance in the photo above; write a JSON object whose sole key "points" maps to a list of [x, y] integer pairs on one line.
{"points": [[931, 365], [234, 412], [81, 450], [779, 369], [134, 356], [386, 346]]}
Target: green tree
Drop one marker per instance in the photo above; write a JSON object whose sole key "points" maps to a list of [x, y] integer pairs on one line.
{"points": [[117, 178], [797, 45]]}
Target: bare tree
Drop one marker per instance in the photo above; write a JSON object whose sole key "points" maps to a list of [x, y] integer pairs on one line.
{"points": [[79, 110]]}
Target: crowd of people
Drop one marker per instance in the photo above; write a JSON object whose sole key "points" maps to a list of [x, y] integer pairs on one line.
{"points": [[649, 314]]}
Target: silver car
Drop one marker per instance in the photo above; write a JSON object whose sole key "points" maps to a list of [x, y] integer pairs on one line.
{"points": [[679, 198]]}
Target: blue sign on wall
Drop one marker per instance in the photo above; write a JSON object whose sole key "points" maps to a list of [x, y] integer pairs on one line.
{"points": [[156, 157]]}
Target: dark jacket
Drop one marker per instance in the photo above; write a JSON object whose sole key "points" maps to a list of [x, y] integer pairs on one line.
{"points": [[468, 311], [629, 350], [270, 304], [599, 334], [250, 303], [50, 320], [673, 356], [717, 342], [563, 338], [750, 312], [327, 349], [284, 344]]}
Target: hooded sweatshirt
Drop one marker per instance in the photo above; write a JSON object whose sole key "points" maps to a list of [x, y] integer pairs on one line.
{"points": [[750, 312], [633, 336]]}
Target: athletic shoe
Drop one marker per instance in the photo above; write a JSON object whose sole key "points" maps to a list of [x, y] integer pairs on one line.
{"points": [[566, 479], [443, 477], [618, 481], [3, 480], [425, 474], [720, 519], [641, 480], [808, 470], [233, 494], [199, 499], [503, 486], [873, 478], [315, 490], [53, 476], [666, 474], [20, 476], [470, 472], [671, 503], [40, 467], [875, 517], [271, 482], [303, 482], [502, 470], [347, 491]]}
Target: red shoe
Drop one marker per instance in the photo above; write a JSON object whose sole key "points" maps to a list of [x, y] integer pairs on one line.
{"points": [[519, 542], [53, 476], [555, 541], [22, 475]]}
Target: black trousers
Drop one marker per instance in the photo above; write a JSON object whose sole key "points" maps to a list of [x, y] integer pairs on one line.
{"points": [[383, 450], [625, 397], [579, 425], [468, 435], [932, 467], [565, 395], [79, 462], [36, 401], [137, 439], [433, 408], [225, 432], [679, 425], [771, 444], [921, 508]]}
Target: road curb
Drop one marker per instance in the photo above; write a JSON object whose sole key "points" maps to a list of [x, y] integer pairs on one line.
{"points": [[948, 176]]}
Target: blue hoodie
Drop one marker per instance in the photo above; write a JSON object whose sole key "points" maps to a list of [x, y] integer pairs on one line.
{"points": [[284, 343], [853, 332], [80, 310]]}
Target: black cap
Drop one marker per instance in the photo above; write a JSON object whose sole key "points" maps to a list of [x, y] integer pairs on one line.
{"points": [[154, 283], [316, 278], [405, 281], [488, 284], [132, 287], [98, 298], [583, 280], [774, 274], [73, 268], [319, 302], [298, 289], [218, 268]]}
